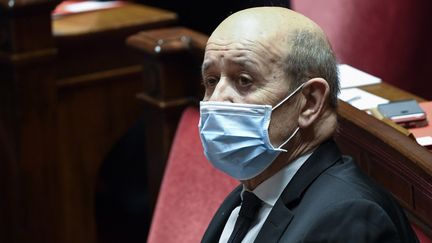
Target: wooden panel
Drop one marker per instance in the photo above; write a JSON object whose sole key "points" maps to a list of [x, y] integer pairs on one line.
{"points": [[91, 118], [30, 204], [393, 179], [98, 78], [423, 199]]}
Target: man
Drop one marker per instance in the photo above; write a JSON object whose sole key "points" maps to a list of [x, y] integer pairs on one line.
{"points": [[267, 119]]}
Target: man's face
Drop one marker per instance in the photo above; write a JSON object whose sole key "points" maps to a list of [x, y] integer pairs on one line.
{"points": [[248, 70], [243, 71]]}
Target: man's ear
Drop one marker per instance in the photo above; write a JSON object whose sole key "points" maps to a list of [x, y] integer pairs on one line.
{"points": [[315, 94]]}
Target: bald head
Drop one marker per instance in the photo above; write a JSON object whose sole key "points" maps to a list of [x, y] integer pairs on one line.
{"points": [[287, 35], [264, 23]]}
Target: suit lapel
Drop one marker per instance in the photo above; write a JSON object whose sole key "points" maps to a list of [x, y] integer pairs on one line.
{"points": [[274, 226], [216, 226], [281, 215]]}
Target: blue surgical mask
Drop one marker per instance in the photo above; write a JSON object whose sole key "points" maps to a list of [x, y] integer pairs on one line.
{"points": [[235, 137]]}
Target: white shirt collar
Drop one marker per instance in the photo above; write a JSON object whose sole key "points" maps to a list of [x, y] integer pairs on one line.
{"points": [[271, 189]]}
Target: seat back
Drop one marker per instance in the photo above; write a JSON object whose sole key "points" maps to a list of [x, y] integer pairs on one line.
{"points": [[423, 238], [388, 38], [191, 189]]}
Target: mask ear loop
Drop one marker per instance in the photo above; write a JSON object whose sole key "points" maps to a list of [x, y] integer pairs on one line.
{"points": [[286, 141], [279, 104], [289, 96]]}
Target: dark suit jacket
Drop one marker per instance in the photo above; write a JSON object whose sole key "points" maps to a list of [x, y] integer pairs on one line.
{"points": [[328, 200]]}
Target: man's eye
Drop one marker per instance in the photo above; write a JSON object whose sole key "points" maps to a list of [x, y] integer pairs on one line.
{"points": [[244, 81], [210, 82]]}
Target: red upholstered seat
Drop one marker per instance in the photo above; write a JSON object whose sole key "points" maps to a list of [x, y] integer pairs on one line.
{"points": [[191, 189], [388, 38], [423, 238]]}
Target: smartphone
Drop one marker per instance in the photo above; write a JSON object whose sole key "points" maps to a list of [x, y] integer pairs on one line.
{"points": [[406, 113]]}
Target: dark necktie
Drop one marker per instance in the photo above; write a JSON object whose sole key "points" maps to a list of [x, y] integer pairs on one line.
{"points": [[248, 210]]}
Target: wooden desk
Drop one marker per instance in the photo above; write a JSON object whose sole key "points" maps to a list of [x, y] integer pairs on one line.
{"points": [[119, 18], [389, 156], [393, 159], [390, 92]]}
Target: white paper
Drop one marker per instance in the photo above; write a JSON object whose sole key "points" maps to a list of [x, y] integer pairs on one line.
{"points": [[424, 141], [361, 99], [89, 6], [353, 77]]}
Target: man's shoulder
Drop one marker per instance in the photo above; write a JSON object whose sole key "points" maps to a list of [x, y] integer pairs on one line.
{"points": [[328, 177], [346, 184], [346, 179], [345, 192]]}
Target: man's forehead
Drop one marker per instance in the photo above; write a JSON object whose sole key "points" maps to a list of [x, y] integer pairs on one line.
{"points": [[244, 28], [244, 51], [261, 22], [238, 58]]}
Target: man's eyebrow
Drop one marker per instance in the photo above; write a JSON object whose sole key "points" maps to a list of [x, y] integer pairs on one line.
{"points": [[245, 63], [239, 60], [243, 60]]}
